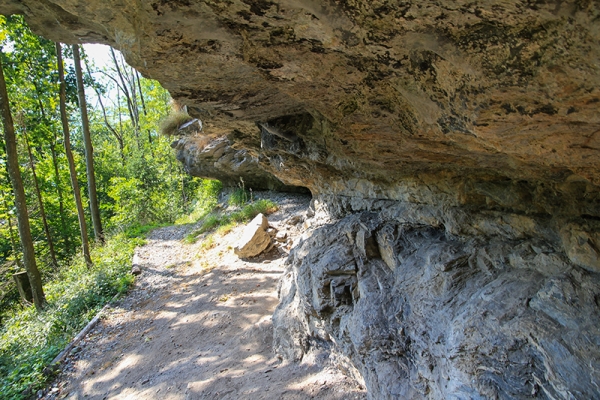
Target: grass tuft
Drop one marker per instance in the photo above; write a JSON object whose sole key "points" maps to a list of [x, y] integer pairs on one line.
{"points": [[170, 125], [239, 197]]}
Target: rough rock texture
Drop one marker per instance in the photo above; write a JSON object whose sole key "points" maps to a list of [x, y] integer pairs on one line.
{"points": [[215, 158], [373, 92], [426, 307], [255, 239], [452, 148]]}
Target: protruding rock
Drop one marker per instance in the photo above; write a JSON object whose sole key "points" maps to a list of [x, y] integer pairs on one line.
{"points": [[581, 247], [281, 236], [386, 241], [255, 238]]}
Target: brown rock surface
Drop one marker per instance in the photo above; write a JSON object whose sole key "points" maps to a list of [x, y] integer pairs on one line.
{"points": [[374, 92]]}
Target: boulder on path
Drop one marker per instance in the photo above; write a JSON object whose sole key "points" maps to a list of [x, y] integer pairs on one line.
{"points": [[255, 238]]}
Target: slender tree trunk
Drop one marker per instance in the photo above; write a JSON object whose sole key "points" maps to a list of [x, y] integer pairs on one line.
{"points": [[33, 273], [89, 149], [119, 112], [137, 77], [61, 203], [67, 141], [61, 206], [130, 107], [11, 232], [108, 125], [40, 201], [134, 102]]}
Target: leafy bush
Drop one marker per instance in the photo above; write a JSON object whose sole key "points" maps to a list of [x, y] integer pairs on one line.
{"points": [[30, 340], [208, 193]]}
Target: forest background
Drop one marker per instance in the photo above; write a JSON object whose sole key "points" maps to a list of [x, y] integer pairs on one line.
{"points": [[138, 185]]}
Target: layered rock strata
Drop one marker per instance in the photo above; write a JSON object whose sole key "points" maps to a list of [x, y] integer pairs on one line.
{"points": [[436, 302], [452, 149]]}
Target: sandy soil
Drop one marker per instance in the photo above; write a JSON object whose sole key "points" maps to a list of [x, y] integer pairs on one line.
{"points": [[197, 325]]}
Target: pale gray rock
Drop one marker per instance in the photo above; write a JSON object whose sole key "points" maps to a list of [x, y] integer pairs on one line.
{"points": [[214, 157], [255, 239], [427, 314], [281, 236]]}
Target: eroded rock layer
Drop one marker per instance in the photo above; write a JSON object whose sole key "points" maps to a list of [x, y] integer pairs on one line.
{"points": [[452, 148], [431, 302]]}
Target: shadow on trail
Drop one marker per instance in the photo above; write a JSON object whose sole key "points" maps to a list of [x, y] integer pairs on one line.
{"points": [[198, 335]]}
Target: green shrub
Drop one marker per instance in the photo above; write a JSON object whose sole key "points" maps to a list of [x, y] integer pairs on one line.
{"points": [[228, 220], [208, 194]]}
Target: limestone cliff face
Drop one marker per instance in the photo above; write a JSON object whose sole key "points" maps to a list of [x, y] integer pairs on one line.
{"points": [[453, 151]]}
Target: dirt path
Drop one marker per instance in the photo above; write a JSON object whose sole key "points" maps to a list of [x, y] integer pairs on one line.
{"points": [[197, 325]]}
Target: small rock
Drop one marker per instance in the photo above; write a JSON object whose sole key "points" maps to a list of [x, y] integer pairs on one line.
{"points": [[281, 236], [294, 220], [135, 270], [255, 238]]}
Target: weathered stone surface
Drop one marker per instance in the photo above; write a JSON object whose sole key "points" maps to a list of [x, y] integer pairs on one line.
{"points": [[255, 239], [214, 157], [372, 93], [505, 315], [191, 127], [136, 270]]}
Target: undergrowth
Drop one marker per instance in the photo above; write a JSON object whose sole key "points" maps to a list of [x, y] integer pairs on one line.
{"points": [[224, 221], [239, 197], [30, 340], [208, 193]]}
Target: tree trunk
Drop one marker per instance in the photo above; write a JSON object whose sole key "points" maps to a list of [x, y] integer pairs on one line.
{"points": [[139, 84], [11, 233], [66, 241], [40, 201], [130, 107], [67, 141], [23, 286], [61, 203], [22, 215], [89, 150], [118, 136]]}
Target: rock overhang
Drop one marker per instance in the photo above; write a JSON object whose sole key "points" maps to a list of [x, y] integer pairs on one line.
{"points": [[477, 102]]}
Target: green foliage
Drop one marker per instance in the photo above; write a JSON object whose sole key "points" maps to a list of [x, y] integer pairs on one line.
{"points": [[208, 193], [139, 183], [227, 220], [30, 340], [169, 126], [239, 197], [137, 230]]}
